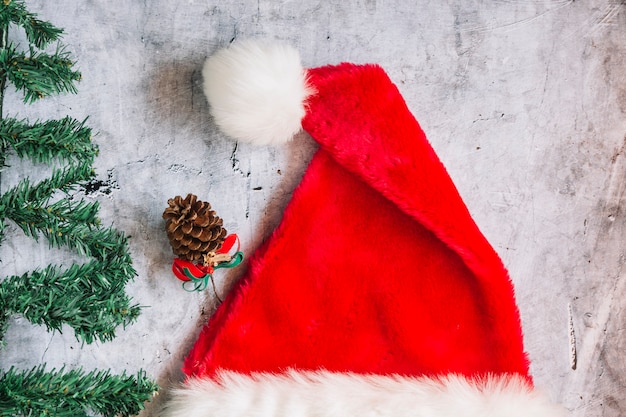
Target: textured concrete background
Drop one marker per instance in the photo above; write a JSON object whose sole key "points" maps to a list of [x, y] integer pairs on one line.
{"points": [[524, 101]]}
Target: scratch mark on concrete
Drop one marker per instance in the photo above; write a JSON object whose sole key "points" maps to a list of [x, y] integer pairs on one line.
{"points": [[43, 355], [233, 159], [611, 11], [572, 337], [506, 27], [616, 185], [599, 20], [248, 196], [191, 86]]}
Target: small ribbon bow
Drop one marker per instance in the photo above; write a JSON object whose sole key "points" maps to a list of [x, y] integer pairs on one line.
{"points": [[196, 277]]}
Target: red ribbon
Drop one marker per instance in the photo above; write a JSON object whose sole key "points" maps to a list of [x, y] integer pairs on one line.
{"points": [[186, 270]]}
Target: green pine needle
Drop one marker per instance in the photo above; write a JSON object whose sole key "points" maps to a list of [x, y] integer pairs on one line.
{"points": [[39, 74], [25, 196], [4, 324], [63, 223], [67, 223], [66, 139], [89, 298], [38, 32], [73, 393]]}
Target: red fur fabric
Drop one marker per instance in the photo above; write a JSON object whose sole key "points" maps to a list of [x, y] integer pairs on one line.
{"points": [[377, 266]]}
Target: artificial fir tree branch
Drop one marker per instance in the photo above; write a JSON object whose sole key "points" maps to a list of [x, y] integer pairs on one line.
{"points": [[89, 298], [64, 223], [4, 324], [62, 180], [25, 204], [38, 74], [66, 139], [60, 223], [38, 32], [85, 239], [74, 393], [4, 33]]}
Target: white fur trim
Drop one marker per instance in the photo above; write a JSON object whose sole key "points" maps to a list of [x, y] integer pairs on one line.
{"points": [[326, 394], [257, 91]]}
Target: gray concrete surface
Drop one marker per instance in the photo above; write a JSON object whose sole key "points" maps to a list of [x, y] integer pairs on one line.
{"points": [[524, 101]]}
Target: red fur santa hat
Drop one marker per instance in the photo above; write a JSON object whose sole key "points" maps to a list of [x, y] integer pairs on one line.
{"points": [[377, 295]]}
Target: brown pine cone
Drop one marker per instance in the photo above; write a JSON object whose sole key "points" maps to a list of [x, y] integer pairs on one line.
{"points": [[193, 229]]}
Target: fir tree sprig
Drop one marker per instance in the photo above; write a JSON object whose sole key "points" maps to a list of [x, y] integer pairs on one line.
{"points": [[54, 296], [64, 180], [26, 204], [73, 393], [66, 139], [64, 223], [38, 32], [38, 74], [4, 325]]}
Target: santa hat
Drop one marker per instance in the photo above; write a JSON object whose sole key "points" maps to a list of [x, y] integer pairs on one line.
{"points": [[377, 295]]}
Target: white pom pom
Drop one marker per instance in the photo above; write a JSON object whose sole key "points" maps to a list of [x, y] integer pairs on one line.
{"points": [[257, 91]]}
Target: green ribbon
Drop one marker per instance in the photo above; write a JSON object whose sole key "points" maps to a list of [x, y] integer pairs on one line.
{"points": [[201, 283]]}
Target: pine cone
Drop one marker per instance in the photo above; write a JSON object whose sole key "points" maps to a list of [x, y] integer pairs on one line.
{"points": [[192, 227]]}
